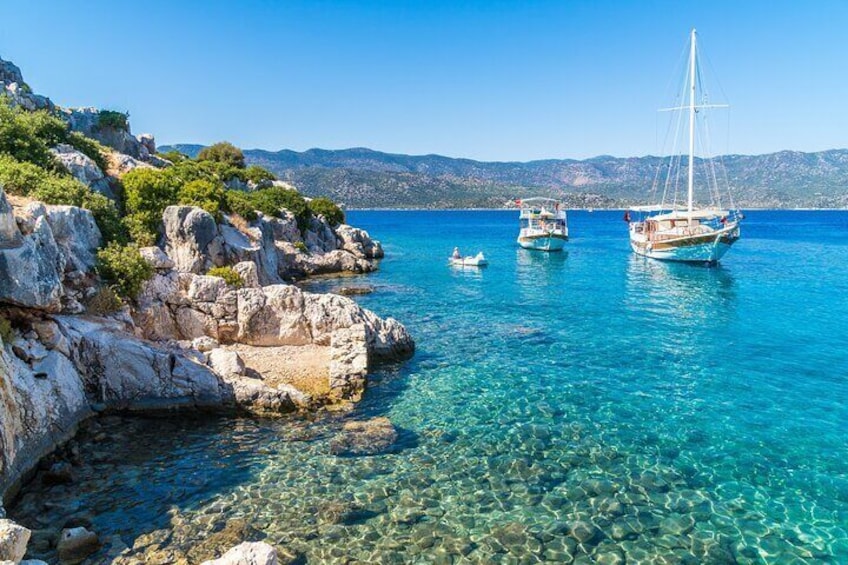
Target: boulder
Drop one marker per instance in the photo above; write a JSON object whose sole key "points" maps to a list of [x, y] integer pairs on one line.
{"points": [[367, 437], [77, 235], [148, 142], [247, 553], [121, 164], [75, 544], [226, 363], [192, 239], [31, 272], [13, 541], [83, 168], [157, 258], [358, 242]]}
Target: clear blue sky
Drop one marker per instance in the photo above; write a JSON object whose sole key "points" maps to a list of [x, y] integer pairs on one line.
{"points": [[482, 79]]}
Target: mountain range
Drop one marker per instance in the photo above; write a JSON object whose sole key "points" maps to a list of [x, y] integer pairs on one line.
{"points": [[364, 178]]}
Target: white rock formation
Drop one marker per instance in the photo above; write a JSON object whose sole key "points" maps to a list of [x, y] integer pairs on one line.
{"points": [[47, 253], [83, 169]]}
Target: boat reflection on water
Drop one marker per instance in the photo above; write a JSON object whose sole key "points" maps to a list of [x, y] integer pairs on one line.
{"points": [[684, 295]]}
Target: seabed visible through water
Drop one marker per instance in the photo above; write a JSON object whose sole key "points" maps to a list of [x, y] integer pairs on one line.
{"points": [[588, 406]]}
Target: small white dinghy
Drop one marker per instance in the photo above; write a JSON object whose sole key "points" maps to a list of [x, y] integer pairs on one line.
{"points": [[478, 260]]}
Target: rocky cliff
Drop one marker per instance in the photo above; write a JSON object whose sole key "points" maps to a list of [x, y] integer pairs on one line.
{"points": [[66, 356]]}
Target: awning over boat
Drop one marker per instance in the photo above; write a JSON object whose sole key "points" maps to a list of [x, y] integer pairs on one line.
{"points": [[655, 208], [702, 214]]}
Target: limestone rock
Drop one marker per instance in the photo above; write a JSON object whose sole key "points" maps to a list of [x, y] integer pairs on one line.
{"points": [[13, 541], [369, 437], [226, 363], [192, 240], [121, 164], [83, 168], [87, 122], [157, 258], [247, 553], [254, 396], [77, 235], [75, 544], [248, 273], [30, 273], [148, 142], [348, 362], [204, 343], [13, 86], [358, 242]]}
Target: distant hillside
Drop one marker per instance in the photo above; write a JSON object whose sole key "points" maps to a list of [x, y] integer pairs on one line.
{"points": [[365, 178]]}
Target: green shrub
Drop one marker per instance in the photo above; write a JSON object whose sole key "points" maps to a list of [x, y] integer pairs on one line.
{"points": [[230, 276], [123, 267], [18, 177], [325, 207], [103, 302], [28, 136], [272, 200], [6, 332], [209, 195], [174, 156], [109, 119], [139, 229], [300, 246], [258, 175], [223, 152], [147, 192], [238, 202], [93, 149]]}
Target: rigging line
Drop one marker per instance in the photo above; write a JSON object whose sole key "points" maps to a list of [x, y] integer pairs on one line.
{"points": [[675, 156], [709, 164]]}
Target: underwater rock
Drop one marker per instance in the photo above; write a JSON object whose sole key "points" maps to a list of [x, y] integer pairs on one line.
{"points": [[355, 290], [369, 437], [247, 553]]}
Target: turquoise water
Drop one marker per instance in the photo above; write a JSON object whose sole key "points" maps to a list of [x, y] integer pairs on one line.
{"points": [[589, 406]]}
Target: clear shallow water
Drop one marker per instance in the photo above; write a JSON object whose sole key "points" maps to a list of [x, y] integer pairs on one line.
{"points": [[588, 405]]}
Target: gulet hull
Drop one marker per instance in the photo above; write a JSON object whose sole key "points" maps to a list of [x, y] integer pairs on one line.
{"points": [[697, 249]]}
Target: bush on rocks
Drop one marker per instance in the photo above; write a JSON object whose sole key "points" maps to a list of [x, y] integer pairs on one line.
{"points": [[240, 203], [206, 194], [124, 268], [273, 200], [258, 175], [28, 136], [323, 206], [230, 276], [147, 193], [109, 119]]}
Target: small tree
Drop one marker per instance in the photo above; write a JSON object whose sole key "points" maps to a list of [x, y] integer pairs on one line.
{"points": [[147, 192], [223, 152], [109, 119], [124, 268]]}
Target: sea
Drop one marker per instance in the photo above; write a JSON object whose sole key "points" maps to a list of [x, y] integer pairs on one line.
{"points": [[588, 406]]}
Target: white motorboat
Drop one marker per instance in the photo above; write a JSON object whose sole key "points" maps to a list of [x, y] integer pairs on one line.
{"points": [[544, 225]]}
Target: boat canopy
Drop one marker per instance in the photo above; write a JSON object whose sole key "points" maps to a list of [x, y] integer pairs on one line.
{"points": [[703, 214], [656, 208], [538, 200]]}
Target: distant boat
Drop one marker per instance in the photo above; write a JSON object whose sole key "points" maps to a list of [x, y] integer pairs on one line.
{"points": [[671, 231], [543, 224]]}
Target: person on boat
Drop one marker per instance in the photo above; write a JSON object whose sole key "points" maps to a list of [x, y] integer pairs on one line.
{"points": [[456, 254], [626, 216]]}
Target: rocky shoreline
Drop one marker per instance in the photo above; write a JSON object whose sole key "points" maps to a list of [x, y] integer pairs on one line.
{"points": [[65, 360]]}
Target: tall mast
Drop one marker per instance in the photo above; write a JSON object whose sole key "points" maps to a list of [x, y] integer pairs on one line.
{"points": [[691, 120]]}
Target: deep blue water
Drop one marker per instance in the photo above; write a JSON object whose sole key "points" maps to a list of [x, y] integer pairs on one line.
{"points": [[676, 413]]}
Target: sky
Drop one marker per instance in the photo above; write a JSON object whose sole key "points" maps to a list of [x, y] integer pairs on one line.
{"points": [[488, 80]]}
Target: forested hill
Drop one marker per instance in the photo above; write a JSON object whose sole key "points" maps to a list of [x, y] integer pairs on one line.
{"points": [[366, 178]]}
